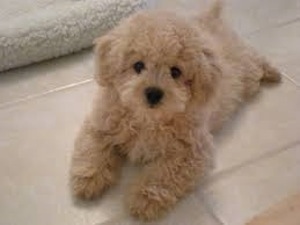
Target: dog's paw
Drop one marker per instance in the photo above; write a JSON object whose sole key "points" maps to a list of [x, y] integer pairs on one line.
{"points": [[87, 187], [90, 186], [150, 203]]}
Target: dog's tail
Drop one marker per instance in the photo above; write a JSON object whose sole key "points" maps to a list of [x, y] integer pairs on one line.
{"points": [[214, 11], [271, 74]]}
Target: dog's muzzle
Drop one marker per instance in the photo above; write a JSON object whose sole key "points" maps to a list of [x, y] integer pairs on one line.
{"points": [[153, 95]]}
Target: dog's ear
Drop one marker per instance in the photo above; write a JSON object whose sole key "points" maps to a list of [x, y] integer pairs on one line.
{"points": [[103, 71], [206, 77]]}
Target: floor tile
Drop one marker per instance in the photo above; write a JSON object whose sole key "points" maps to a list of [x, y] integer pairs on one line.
{"points": [[246, 16], [281, 44], [268, 123], [239, 196], [42, 77], [36, 141], [254, 15]]}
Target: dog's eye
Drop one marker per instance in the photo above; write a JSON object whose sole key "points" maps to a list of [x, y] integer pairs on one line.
{"points": [[175, 72], [138, 67]]}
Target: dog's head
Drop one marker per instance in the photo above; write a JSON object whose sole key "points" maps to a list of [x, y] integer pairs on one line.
{"points": [[158, 62]]}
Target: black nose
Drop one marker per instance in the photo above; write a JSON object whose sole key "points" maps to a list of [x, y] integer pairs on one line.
{"points": [[153, 95]]}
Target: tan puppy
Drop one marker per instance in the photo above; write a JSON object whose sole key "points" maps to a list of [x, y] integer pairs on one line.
{"points": [[166, 82]]}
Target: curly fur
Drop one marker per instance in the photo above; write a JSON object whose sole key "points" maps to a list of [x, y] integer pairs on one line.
{"points": [[173, 140]]}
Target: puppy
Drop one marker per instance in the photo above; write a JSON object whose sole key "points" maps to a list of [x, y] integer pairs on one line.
{"points": [[167, 82]]}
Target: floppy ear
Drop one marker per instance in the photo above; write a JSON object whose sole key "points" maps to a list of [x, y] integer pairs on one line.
{"points": [[103, 69], [206, 78]]}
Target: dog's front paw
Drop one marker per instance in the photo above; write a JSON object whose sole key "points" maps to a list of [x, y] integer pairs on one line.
{"points": [[88, 186], [151, 203]]}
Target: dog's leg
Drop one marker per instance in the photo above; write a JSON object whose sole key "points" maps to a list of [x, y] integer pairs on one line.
{"points": [[163, 183], [95, 165]]}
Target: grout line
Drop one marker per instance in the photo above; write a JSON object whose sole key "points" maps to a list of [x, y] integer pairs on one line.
{"points": [[208, 209], [30, 97], [212, 213], [249, 162], [290, 79]]}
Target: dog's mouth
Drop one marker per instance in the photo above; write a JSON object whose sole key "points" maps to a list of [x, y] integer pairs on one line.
{"points": [[156, 106]]}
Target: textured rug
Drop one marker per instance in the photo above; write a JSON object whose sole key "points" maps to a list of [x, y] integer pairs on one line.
{"points": [[35, 30]]}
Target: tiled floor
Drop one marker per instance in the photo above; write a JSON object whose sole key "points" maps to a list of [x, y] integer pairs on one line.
{"points": [[257, 157]]}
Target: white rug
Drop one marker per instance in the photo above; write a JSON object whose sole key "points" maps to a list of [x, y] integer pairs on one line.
{"points": [[35, 30]]}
